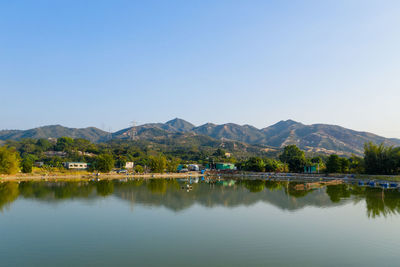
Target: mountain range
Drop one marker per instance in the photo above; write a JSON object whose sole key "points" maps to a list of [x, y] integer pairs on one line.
{"points": [[317, 138]]}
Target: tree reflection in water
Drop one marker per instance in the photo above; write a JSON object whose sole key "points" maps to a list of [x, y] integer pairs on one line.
{"points": [[8, 193], [168, 193], [338, 192], [254, 186], [104, 187]]}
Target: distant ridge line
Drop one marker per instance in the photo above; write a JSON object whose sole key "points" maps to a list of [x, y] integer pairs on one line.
{"points": [[317, 138]]}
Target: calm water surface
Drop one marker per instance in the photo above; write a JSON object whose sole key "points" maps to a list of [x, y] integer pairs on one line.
{"points": [[222, 223]]}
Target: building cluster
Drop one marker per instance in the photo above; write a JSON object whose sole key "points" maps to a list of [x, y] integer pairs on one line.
{"points": [[131, 165], [215, 166]]}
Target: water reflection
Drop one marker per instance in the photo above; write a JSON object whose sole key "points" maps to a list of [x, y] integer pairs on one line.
{"points": [[178, 195], [104, 187], [8, 193]]}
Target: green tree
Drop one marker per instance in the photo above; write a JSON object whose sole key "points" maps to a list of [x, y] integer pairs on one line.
{"points": [[104, 163], [379, 159], [172, 164], [55, 162], [121, 161], [271, 165], [9, 160], [220, 153], [316, 160], [139, 169], [43, 144], [64, 144], [254, 164], [356, 164], [396, 159], [26, 165], [158, 163], [334, 164], [344, 165], [294, 157], [81, 144]]}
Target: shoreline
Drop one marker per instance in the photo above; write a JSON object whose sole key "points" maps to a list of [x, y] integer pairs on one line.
{"points": [[102, 176], [310, 177], [249, 175]]}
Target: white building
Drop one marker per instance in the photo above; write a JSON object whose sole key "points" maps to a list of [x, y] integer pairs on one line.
{"points": [[193, 167], [129, 165], [75, 165], [39, 164]]}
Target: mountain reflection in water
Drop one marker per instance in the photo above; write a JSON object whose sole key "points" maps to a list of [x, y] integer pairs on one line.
{"points": [[176, 195]]}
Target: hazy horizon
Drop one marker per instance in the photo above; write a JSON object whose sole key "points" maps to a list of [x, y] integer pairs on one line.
{"points": [[106, 64]]}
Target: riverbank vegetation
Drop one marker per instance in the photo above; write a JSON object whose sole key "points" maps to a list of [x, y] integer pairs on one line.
{"points": [[21, 156]]}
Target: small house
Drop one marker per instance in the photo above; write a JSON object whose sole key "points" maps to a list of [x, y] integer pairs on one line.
{"points": [[55, 154], [225, 166], [129, 165], [311, 169], [75, 165], [193, 167], [39, 164]]}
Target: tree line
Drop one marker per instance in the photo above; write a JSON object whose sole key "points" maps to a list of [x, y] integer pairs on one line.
{"points": [[378, 159], [21, 155], [103, 157]]}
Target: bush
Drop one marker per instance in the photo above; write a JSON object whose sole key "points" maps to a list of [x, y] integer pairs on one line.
{"points": [[139, 169], [9, 160], [26, 166]]}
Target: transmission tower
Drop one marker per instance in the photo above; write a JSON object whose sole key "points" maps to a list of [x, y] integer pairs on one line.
{"points": [[109, 133], [223, 142], [133, 131]]}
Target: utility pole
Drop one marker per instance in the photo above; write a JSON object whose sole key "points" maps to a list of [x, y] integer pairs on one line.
{"points": [[223, 142]]}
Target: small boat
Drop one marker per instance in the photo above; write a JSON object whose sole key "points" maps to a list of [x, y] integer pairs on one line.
{"points": [[384, 185]]}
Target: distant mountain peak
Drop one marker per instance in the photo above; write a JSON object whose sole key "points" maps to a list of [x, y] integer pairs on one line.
{"points": [[282, 125], [55, 131], [180, 125], [288, 122], [177, 120], [207, 125], [315, 138]]}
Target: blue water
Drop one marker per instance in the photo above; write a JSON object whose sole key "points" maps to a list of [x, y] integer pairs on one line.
{"points": [[145, 223]]}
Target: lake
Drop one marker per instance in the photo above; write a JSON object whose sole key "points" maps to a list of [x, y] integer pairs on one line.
{"points": [[197, 222]]}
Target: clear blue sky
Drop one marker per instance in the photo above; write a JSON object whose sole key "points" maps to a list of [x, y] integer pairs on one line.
{"points": [[106, 63]]}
